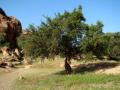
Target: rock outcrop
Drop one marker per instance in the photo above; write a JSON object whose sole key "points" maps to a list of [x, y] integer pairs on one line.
{"points": [[10, 28]]}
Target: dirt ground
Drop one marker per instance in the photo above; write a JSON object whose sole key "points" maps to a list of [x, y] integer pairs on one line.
{"points": [[7, 78], [114, 70]]}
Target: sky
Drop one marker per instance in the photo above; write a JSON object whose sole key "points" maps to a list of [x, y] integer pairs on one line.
{"points": [[33, 11]]}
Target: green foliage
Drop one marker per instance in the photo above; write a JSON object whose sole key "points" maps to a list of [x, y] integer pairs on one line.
{"points": [[68, 35], [93, 40], [113, 42], [56, 35], [3, 40], [26, 42]]}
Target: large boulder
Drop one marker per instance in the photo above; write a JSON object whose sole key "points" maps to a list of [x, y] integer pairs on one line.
{"points": [[11, 28]]}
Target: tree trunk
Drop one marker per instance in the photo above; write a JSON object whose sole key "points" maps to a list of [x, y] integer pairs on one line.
{"points": [[67, 66]]}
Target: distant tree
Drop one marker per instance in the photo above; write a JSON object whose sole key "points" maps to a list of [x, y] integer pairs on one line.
{"points": [[113, 45], [93, 40]]}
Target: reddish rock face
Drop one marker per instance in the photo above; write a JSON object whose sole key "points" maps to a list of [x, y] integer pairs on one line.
{"points": [[11, 27], [13, 31]]}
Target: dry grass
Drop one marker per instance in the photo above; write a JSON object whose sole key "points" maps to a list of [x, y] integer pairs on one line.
{"points": [[44, 77]]}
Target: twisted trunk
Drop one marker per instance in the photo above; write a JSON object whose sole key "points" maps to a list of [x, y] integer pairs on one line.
{"points": [[67, 66]]}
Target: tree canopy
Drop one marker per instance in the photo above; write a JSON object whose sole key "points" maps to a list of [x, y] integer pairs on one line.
{"points": [[68, 34]]}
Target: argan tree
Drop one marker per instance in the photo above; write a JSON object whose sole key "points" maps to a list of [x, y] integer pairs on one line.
{"points": [[60, 35]]}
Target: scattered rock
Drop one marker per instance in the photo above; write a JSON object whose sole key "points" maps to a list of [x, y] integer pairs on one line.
{"points": [[21, 77], [10, 64], [27, 61], [5, 51]]}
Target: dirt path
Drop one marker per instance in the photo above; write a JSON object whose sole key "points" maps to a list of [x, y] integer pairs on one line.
{"points": [[114, 71], [7, 79]]}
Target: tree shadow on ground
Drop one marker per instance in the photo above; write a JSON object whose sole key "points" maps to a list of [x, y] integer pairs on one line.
{"points": [[91, 67]]}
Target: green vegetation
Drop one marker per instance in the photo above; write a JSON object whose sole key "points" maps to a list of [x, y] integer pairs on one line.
{"points": [[3, 40], [113, 45], [68, 36], [72, 82], [57, 36], [45, 77]]}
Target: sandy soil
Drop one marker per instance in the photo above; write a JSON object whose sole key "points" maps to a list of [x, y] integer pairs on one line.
{"points": [[7, 79], [114, 70]]}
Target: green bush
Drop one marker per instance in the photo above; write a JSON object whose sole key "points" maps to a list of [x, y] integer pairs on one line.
{"points": [[3, 40]]}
